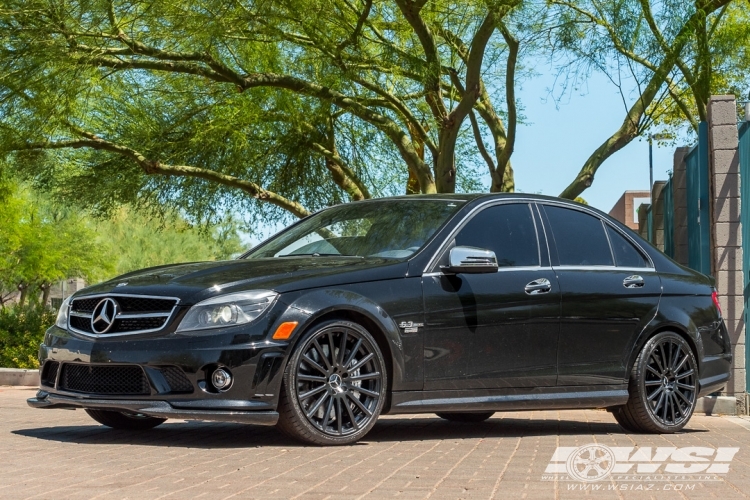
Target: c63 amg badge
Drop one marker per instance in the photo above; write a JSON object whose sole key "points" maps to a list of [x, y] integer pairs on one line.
{"points": [[410, 326]]}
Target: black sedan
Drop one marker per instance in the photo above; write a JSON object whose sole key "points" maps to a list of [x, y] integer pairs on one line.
{"points": [[461, 305]]}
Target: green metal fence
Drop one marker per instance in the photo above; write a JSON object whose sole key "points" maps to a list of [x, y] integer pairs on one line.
{"points": [[744, 157], [696, 163]]}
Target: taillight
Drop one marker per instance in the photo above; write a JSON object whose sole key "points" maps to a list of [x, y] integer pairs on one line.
{"points": [[715, 298]]}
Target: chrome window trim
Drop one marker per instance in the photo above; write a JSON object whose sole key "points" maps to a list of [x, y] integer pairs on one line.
{"points": [[122, 316], [499, 270], [537, 202], [546, 236], [518, 201], [604, 268]]}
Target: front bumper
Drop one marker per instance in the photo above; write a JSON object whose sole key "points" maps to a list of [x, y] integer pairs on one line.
{"points": [[151, 408], [256, 366]]}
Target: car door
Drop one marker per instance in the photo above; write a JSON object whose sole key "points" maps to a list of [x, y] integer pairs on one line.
{"points": [[610, 291], [498, 329]]}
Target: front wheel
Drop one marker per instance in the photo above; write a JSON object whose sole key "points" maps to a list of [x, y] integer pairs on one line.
{"points": [[663, 387], [126, 421], [334, 385]]}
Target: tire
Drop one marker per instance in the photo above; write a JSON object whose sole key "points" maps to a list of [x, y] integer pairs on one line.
{"points": [[663, 387], [126, 421], [333, 400], [466, 417], [625, 420]]}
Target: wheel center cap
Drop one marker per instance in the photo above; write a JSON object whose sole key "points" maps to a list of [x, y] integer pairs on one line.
{"points": [[334, 381]]}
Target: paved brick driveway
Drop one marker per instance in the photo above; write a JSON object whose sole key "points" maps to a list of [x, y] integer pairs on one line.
{"points": [[63, 454]]}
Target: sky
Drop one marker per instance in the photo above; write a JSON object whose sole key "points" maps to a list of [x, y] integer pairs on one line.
{"points": [[557, 139]]}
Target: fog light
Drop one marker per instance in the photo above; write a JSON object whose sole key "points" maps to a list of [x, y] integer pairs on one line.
{"points": [[221, 379]]}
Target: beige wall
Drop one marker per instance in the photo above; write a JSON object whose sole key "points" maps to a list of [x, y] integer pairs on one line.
{"points": [[624, 210], [726, 232]]}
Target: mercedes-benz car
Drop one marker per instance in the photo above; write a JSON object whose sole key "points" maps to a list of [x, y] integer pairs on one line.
{"points": [[459, 305]]}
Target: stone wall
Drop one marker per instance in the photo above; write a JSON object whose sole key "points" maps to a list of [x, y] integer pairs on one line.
{"points": [[726, 231], [657, 214], [679, 197]]}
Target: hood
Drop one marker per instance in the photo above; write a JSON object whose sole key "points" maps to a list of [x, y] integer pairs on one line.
{"points": [[196, 281]]}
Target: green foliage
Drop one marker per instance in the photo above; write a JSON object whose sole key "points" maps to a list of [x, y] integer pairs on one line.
{"points": [[21, 331], [178, 106], [41, 242], [133, 241]]}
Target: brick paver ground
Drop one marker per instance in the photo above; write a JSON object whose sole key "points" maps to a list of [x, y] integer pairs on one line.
{"points": [[64, 454]]}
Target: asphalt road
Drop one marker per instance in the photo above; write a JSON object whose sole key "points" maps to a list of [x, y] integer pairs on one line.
{"points": [[64, 454]]}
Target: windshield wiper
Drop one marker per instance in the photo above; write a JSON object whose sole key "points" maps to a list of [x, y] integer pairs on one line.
{"points": [[316, 254]]}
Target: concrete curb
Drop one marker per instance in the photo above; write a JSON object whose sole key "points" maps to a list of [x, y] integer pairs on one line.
{"points": [[19, 376], [724, 405]]}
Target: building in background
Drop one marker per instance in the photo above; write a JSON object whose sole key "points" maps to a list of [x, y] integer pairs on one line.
{"points": [[626, 208]]}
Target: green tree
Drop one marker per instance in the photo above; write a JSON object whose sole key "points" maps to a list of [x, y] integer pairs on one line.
{"points": [[296, 104], [41, 243], [676, 54], [278, 108], [133, 241]]}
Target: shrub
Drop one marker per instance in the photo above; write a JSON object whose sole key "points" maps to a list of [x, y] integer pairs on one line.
{"points": [[21, 331]]}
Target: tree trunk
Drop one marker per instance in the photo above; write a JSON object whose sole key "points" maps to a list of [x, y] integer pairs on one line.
{"points": [[46, 288], [445, 166], [24, 289]]}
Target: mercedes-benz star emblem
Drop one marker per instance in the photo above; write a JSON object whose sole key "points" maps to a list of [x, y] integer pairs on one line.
{"points": [[104, 315]]}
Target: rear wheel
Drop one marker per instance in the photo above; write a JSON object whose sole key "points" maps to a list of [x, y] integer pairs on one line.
{"points": [[334, 385], [466, 417], [663, 387], [123, 420]]}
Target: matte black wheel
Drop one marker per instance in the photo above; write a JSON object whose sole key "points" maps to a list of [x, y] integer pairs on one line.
{"points": [[466, 417], [663, 387], [123, 420], [334, 385]]}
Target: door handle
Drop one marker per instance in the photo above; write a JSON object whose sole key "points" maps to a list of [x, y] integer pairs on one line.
{"points": [[536, 287], [634, 281]]}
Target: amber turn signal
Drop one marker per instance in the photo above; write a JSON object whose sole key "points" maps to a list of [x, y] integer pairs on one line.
{"points": [[284, 331]]}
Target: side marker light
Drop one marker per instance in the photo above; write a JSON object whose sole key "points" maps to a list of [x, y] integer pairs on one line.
{"points": [[284, 331]]}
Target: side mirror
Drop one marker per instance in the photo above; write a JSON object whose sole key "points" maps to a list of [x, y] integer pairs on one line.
{"points": [[471, 260]]}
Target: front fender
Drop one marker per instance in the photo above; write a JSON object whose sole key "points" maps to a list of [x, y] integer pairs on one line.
{"points": [[309, 307]]}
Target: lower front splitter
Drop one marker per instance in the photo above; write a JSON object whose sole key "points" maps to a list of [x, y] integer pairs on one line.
{"points": [[159, 409]]}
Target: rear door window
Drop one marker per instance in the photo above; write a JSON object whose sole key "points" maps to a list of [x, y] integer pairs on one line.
{"points": [[508, 230], [579, 237]]}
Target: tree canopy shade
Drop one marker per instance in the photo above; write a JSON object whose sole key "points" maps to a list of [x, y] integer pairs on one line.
{"points": [[282, 107]]}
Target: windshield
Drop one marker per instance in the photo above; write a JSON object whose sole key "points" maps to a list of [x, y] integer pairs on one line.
{"points": [[392, 229]]}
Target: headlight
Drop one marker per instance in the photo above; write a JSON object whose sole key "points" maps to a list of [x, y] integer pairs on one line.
{"points": [[62, 314], [227, 310]]}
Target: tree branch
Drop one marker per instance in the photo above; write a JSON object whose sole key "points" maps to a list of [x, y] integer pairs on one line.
{"points": [[151, 167]]}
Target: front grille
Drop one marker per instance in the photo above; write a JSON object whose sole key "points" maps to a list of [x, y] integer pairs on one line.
{"points": [[49, 373], [128, 304], [136, 313], [176, 379], [85, 305], [81, 323], [135, 324], [104, 379]]}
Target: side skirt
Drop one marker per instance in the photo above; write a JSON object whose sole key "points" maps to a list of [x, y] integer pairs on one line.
{"points": [[540, 398]]}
